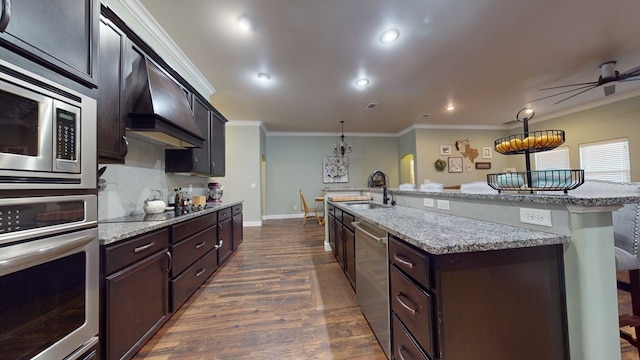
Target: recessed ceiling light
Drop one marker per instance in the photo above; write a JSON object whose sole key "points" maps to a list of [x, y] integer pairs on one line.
{"points": [[362, 82], [264, 77], [244, 23], [451, 108], [389, 36]]}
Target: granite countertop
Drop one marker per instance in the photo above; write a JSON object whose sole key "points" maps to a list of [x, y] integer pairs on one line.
{"points": [[112, 232], [439, 233], [578, 197]]}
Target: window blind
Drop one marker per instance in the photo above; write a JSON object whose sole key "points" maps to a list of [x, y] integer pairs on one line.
{"points": [[557, 158], [606, 160]]}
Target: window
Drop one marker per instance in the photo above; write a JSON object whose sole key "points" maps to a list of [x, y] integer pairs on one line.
{"points": [[553, 159], [606, 160]]}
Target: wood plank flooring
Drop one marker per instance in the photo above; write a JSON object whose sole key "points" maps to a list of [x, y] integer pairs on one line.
{"points": [[268, 302]]}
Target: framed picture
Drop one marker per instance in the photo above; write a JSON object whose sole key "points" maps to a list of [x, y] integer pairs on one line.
{"points": [[445, 149], [483, 165], [335, 169], [486, 153], [455, 164]]}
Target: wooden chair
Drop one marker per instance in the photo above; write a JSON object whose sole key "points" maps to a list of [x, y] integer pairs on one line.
{"points": [[307, 211]]}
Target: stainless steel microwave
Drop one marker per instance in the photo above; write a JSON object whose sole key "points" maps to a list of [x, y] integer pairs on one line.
{"points": [[47, 133]]}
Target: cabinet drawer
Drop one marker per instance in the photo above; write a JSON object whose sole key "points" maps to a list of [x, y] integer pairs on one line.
{"points": [[414, 308], [338, 214], [185, 229], [190, 280], [236, 209], [411, 261], [127, 252], [224, 214], [347, 219], [404, 347], [191, 249], [331, 209]]}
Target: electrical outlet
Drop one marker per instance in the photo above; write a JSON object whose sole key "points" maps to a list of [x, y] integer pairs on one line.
{"points": [[535, 217], [428, 202], [443, 205]]}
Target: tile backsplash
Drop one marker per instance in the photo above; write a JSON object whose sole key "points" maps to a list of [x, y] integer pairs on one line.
{"points": [[130, 184]]}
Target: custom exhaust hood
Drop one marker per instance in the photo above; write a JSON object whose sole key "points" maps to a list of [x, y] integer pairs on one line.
{"points": [[159, 110]]}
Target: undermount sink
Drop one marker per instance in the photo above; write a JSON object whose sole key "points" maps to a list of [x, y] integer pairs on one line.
{"points": [[367, 205]]}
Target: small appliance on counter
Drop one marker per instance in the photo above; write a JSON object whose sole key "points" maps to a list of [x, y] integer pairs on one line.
{"points": [[215, 192]]}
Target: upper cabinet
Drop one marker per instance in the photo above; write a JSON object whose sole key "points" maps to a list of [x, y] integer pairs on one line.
{"points": [[114, 65], [217, 144], [61, 35]]}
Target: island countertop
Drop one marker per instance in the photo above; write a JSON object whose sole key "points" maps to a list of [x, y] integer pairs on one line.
{"points": [[439, 233]]}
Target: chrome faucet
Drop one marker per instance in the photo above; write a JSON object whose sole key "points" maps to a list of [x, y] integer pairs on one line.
{"points": [[385, 194]]}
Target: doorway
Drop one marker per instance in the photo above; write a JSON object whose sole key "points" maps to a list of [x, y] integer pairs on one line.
{"points": [[407, 170]]}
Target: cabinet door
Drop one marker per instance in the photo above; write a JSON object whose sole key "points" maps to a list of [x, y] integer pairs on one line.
{"points": [[237, 231], [201, 156], [61, 35], [217, 147], [136, 305], [350, 255], [224, 239], [332, 232], [112, 144], [340, 244]]}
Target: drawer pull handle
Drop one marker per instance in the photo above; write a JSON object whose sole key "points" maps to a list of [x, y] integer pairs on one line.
{"points": [[170, 267], [200, 272], [144, 247], [404, 305], [401, 350], [201, 245], [403, 261], [220, 245]]}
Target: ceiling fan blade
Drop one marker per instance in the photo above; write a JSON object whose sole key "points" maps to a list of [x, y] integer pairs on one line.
{"points": [[576, 94], [564, 86], [609, 90], [629, 73], [631, 78], [590, 86]]}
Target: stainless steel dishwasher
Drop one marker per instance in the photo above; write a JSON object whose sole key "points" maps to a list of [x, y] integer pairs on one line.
{"points": [[372, 280]]}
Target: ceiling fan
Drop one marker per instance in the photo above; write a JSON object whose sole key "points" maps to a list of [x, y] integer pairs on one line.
{"points": [[608, 77]]}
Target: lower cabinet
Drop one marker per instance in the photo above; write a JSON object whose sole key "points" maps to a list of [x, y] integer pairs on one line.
{"points": [[342, 240], [238, 234], [146, 278], [500, 304], [135, 301]]}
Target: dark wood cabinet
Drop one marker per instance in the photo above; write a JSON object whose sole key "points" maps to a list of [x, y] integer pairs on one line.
{"points": [[135, 295], [467, 305], [61, 35], [217, 136], [114, 65], [225, 236], [342, 240], [238, 232], [208, 160]]}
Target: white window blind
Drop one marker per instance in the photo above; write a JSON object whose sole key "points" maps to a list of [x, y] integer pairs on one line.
{"points": [[606, 160], [557, 158]]}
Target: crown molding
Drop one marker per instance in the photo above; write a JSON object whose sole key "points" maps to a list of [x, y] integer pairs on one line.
{"points": [[140, 13]]}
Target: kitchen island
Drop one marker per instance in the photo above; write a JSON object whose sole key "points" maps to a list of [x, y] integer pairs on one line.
{"points": [[582, 224]]}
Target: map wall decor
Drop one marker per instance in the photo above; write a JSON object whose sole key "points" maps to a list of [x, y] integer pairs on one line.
{"points": [[335, 169]]}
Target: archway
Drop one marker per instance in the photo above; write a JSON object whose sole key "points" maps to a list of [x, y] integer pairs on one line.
{"points": [[407, 170]]}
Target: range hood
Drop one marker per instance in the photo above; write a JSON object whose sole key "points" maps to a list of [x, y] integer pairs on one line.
{"points": [[159, 110]]}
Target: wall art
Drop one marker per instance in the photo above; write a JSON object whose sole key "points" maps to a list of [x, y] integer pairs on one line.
{"points": [[335, 169]]}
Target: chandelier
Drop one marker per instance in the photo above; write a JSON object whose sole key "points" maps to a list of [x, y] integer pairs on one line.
{"points": [[342, 147]]}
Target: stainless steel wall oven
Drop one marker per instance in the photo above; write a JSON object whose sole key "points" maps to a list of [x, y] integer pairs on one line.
{"points": [[49, 251], [48, 277]]}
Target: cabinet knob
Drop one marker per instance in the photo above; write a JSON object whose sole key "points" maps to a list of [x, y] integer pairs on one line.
{"points": [[195, 162], [126, 145]]}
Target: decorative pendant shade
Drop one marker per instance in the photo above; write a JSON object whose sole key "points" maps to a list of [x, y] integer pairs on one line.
{"points": [[342, 147]]}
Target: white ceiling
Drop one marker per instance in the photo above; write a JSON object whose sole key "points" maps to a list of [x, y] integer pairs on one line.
{"points": [[487, 57]]}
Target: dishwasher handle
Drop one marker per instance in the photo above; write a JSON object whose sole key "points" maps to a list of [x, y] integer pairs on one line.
{"points": [[379, 239]]}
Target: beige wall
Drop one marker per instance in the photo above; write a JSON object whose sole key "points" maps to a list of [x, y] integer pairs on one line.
{"points": [[617, 120], [428, 142]]}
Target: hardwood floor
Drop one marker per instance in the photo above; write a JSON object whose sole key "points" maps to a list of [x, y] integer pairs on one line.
{"points": [[281, 296], [266, 303]]}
